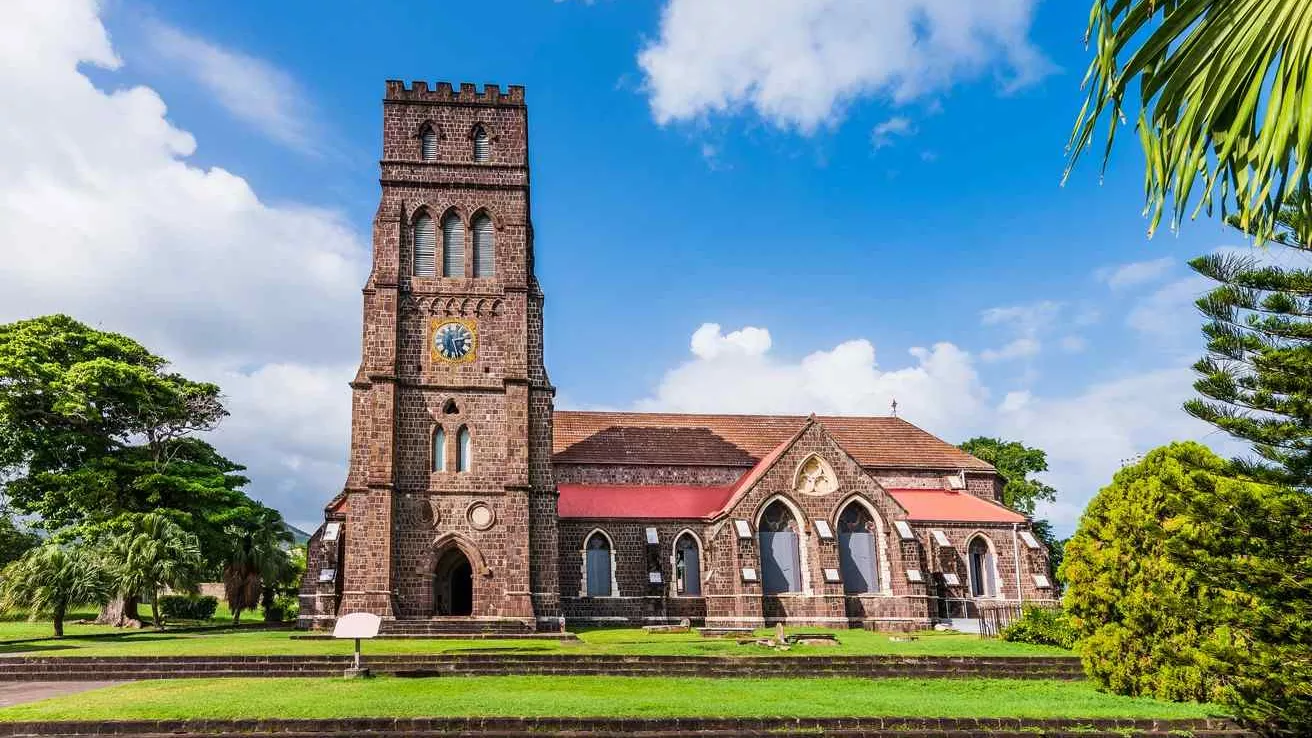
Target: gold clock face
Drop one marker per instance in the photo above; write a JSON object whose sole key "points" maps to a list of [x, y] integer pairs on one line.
{"points": [[454, 341]]}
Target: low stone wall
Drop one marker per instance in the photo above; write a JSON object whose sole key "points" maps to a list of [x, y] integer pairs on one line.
{"points": [[181, 667], [889, 727]]}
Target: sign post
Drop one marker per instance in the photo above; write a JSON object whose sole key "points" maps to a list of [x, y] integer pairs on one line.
{"points": [[357, 626]]}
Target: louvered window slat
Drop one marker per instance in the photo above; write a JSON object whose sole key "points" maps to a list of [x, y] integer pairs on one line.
{"points": [[484, 247], [482, 146], [428, 145], [425, 242], [453, 247]]}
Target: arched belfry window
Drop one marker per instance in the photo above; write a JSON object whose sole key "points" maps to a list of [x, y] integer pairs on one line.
{"points": [[428, 144], [425, 242], [439, 449], [463, 450], [597, 565], [687, 566], [980, 565], [484, 247], [482, 145], [453, 246], [781, 558], [857, 552]]}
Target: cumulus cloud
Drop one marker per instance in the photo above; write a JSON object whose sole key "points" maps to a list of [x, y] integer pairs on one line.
{"points": [[1135, 273], [252, 90], [105, 218], [1088, 433], [1021, 348], [797, 64], [736, 372], [1169, 311]]}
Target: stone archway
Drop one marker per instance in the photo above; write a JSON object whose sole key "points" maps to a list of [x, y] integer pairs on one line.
{"points": [[453, 584]]}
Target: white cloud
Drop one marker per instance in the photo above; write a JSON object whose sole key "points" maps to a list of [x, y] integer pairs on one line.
{"points": [[1169, 312], [1021, 348], [737, 373], [251, 89], [883, 134], [1087, 432], [1073, 344], [797, 64], [1028, 319], [1135, 273], [104, 218]]}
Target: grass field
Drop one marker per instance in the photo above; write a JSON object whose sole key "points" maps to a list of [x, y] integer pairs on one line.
{"points": [[556, 696], [91, 640]]}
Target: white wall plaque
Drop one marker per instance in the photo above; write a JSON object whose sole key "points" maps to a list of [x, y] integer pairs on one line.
{"points": [[331, 531], [744, 529], [823, 530], [749, 574], [951, 579], [654, 577], [913, 575], [1029, 539], [941, 538], [904, 530], [652, 537], [327, 575], [831, 575], [1041, 581]]}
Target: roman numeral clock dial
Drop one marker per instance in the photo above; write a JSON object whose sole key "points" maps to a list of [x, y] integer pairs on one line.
{"points": [[454, 341]]}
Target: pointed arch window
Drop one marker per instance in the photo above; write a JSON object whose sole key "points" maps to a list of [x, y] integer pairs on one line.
{"points": [[597, 565], [425, 242], [428, 144], [980, 566], [482, 145], [687, 566], [453, 246], [439, 449], [857, 558], [463, 450], [484, 247], [781, 558]]}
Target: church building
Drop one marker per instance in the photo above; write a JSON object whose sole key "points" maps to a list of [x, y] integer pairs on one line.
{"points": [[472, 505]]}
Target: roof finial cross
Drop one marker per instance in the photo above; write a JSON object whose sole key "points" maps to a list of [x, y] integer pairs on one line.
{"points": [[895, 407]]}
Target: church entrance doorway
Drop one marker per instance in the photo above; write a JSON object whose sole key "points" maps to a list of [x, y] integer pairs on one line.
{"points": [[453, 584]]}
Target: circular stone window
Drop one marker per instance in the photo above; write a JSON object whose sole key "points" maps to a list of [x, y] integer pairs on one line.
{"points": [[480, 516]]}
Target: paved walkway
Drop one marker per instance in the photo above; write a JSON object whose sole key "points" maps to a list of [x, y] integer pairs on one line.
{"points": [[13, 693]]}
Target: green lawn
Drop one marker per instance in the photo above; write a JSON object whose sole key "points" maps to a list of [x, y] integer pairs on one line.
{"points": [[227, 641], [554, 696]]}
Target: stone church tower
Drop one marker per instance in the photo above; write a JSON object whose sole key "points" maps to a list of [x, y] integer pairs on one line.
{"points": [[449, 507]]}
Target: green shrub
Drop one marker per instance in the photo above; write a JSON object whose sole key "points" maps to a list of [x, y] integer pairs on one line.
{"points": [[188, 607], [285, 607], [1044, 626]]}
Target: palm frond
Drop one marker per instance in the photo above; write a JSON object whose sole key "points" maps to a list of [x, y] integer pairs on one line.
{"points": [[1224, 111]]}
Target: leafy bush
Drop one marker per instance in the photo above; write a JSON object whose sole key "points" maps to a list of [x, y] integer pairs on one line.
{"points": [[285, 607], [188, 607], [1044, 626]]}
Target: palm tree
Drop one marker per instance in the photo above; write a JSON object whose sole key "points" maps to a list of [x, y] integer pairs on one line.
{"points": [[1224, 100], [257, 562], [154, 553], [50, 578]]}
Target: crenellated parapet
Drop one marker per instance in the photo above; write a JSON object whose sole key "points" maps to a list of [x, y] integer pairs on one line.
{"points": [[445, 92]]}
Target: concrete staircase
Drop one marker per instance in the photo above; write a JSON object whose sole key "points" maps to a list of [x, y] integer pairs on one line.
{"points": [[457, 627]]}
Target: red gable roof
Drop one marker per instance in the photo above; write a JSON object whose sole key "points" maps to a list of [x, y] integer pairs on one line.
{"points": [[742, 440], [946, 505], [652, 502]]}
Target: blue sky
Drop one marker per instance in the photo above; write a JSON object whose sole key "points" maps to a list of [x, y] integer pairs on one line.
{"points": [[864, 197]]}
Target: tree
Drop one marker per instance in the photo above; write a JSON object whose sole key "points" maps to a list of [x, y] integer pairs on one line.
{"points": [[93, 427], [1015, 462], [14, 540], [1256, 379], [257, 563], [1143, 619], [1222, 100], [52, 578], [153, 553]]}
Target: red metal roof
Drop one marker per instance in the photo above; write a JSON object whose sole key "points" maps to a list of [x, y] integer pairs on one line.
{"points": [[742, 440], [947, 505], [650, 502]]}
